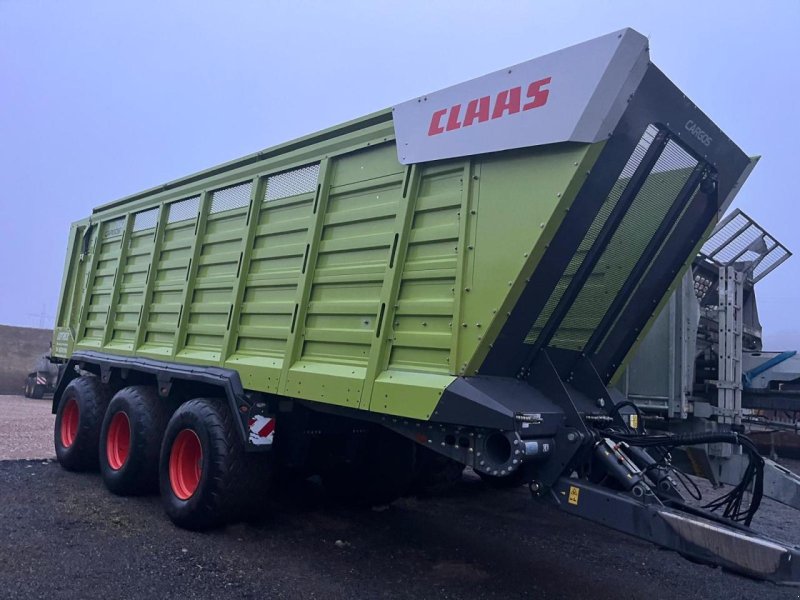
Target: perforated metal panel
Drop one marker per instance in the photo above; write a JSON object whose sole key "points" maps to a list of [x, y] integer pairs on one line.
{"points": [[739, 239], [728, 239], [183, 210], [113, 228], [230, 198], [146, 219], [594, 230], [775, 257], [292, 183], [659, 191]]}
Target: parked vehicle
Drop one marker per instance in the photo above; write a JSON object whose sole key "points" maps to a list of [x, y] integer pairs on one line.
{"points": [[42, 380], [460, 276]]}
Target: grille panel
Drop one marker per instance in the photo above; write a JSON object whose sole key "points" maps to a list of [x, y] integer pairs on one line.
{"points": [[742, 240], [231, 198], [292, 183], [113, 228], [145, 220], [775, 257], [594, 230], [183, 210], [627, 245]]}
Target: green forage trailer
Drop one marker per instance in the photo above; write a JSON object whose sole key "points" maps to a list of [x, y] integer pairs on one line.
{"points": [[452, 282]]}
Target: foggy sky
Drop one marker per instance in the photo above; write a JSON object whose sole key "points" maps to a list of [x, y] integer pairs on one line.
{"points": [[102, 99]]}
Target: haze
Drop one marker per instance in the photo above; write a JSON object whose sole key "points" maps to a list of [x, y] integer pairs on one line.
{"points": [[103, 99]]}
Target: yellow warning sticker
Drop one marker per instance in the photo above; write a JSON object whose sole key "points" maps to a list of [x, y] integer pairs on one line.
{"points": [[573, 495], [634, 421]]}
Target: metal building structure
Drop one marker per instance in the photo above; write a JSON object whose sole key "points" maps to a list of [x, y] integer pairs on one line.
{"points": [[718, 376]]}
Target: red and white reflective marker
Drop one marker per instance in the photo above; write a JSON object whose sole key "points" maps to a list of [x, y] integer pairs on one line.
{"points": [[262, 430]]}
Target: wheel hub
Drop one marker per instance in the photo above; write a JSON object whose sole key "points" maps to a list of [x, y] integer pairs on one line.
{"points": [[69, 423], [185, 464], [118, 441]]}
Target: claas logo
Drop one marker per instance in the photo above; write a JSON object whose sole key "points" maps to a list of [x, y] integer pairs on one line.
{"points": [[480, 110]]}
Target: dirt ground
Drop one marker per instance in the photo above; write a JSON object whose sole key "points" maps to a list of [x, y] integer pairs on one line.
{"points": [[62, 535], [26, 428]]}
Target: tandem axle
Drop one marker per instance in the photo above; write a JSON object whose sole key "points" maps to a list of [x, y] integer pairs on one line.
{"points": [[607, 469]]}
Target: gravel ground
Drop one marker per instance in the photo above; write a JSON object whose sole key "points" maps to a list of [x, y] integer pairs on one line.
{"points": [[62, 535], [26, 428]]}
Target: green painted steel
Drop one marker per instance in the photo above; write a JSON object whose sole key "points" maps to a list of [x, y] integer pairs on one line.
{"points": [[322, 269]]}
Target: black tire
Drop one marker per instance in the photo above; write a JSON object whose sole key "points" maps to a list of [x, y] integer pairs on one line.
{"points": [[130, 440], [29, 386], [382, 471], [78, 421], [231, 484]]}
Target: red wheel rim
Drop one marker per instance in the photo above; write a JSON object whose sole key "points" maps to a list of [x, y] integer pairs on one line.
{"points": [[69, 423], [118, 440], [185, 464]]}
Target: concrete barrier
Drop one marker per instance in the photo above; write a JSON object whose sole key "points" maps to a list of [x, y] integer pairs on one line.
{"points": [[19, 349]]}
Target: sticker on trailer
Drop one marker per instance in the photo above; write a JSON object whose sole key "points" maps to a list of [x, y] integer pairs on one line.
{"points": [[634, 421], [262, 430], [574, 495], [577, 94]]}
